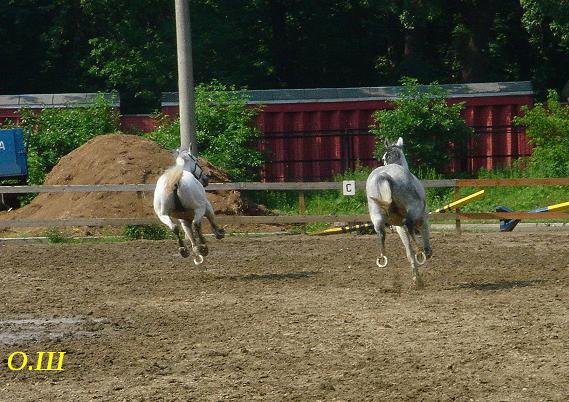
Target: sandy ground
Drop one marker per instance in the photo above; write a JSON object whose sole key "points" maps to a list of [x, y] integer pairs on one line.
{"points": [[290, 318]]}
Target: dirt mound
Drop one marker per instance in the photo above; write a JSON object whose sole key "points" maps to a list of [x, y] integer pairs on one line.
{"points": [[117, 159]]}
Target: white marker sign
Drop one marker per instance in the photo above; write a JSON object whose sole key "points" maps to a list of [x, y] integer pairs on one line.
{"points": [[349, 187]]}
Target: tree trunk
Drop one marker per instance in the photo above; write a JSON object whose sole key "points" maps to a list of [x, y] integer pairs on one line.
{"points": [[279, 41], [479, 19]]}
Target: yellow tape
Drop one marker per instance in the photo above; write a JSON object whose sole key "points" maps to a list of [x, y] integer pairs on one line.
{"points": [[463, 201], [343, 229], [558, 207]]}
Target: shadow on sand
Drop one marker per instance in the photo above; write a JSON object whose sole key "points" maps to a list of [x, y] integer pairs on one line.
{"points": [[502, 285]]}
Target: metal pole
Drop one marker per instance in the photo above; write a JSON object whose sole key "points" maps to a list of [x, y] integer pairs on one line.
{"points": [[185, 78]]}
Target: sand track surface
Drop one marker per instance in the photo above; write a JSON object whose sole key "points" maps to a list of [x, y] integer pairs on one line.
{"points": [[290, 318]]}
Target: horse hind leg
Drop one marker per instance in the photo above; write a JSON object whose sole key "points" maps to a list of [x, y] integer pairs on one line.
{"points": [[209, 214], [426, 237], [197, 228], [182, 248], [379, 226], [193, 236], [420, 254], [406, 239]]}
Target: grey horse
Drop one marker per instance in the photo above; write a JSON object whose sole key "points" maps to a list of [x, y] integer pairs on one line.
{"points": [[397, 198]]}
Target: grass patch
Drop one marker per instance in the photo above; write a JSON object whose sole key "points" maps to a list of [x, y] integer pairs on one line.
{"points": [[516, 198]]}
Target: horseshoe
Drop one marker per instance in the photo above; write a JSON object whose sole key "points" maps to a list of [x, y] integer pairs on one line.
{"points": [[382, 264], [198, 259], [422, 256]]}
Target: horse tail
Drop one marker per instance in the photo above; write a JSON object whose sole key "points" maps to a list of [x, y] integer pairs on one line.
{"points": [[173, 177], [384, 200]]}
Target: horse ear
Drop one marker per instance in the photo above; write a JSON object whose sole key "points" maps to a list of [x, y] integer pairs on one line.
{"points": [[399, 142]]}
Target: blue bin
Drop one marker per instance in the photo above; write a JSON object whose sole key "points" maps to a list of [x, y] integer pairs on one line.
{"points": [[13, 161]]}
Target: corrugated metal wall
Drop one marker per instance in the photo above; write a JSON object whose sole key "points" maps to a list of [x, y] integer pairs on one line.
{"points": [[497, 141], [316, 141]]}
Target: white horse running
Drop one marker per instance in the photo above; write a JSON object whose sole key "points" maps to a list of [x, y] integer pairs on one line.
{"points": [[178, 191], [396, 197]]}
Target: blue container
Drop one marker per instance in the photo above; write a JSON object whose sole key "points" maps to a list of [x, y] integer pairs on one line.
{"points": [[13, 162]]}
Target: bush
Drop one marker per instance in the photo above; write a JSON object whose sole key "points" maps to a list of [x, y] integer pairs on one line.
{"points": [[547, 127], [54, 235], [58, 131], [225, 131], [428, 125]]}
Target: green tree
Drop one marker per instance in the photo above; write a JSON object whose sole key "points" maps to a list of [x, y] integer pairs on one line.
{"points": [[547, 23], [225, 130], [133, 49], [130, 45], [43, 43], [58, 131], [547, 126], [432, 129]]}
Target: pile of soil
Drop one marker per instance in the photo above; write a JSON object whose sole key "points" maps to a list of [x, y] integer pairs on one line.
{"points": [[118, 159]]}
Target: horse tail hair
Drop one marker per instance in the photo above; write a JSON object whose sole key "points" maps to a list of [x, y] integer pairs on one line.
{"points": [[173, 176], [384, 187]]}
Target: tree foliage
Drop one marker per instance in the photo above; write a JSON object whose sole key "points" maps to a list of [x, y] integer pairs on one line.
{"points": [[432, 130], [547, 126], [225, 130], [58, 131], [130, 45]]}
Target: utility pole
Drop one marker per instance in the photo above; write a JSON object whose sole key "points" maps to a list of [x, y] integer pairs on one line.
{"points": [[185, 78]]}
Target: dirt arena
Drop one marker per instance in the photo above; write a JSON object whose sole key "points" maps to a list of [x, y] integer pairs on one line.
{"points": [[290, 318]]}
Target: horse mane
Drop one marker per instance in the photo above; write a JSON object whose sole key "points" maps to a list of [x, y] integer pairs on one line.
{"points": [[173, 176]]}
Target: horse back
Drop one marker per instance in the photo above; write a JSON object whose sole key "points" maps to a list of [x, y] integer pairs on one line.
{"points": [[407, 191]]}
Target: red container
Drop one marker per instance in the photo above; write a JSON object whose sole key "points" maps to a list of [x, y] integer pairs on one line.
{"points": [[138, 122], [10, 105]]}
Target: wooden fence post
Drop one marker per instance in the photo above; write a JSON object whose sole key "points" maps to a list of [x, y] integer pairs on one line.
{"points": [[301, 204], [457, 219], [140, 196]]}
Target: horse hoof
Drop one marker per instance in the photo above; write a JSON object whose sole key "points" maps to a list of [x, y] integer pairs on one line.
{"points": [[198, 259], [184, 252], [203, 250], [381, 262], [418, 283], [219, 234]]}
